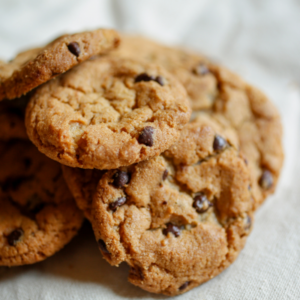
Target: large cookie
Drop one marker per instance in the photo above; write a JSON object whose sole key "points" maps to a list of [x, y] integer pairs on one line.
{"points": [[217, 91], [31, 68], [38, 215], [107, 113], [177, 219]]}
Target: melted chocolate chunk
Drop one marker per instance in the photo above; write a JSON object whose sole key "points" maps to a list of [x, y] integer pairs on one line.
{"points": [[173, 229], [145, 77], [15, 236], [201, 203], [266, 180], [74, 48], [119, 202], [121, 178], [146, 136], [201, 69], [219, 143], [102, 246], [165, 174], [184, 286]]}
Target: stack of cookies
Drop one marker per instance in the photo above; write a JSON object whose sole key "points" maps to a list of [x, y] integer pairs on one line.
{"points": [[167, 154]]}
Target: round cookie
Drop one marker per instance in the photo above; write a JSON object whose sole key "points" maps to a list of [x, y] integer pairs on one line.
{"points": [[33, 67], [38, 215], [178, 219], [219, 92], [106, 113]]}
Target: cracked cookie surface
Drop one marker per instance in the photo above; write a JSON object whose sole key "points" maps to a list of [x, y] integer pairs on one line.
{"points": [[33, 67], [178, 219], [107, 113], [219, 92], [38, 214]]}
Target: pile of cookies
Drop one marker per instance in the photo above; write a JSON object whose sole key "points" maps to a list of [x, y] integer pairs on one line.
{"points": [[167, 154]]}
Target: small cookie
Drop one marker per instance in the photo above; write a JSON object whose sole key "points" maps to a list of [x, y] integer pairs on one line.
{"points": [[38, 215], [107, 113], [178, 219], [217, 91], [33, 67]]}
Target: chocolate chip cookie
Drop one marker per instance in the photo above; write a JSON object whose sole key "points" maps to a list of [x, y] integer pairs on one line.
{"points": [[221, 93], [33, 67], [107, 113], [178, 219], [38, 215]]}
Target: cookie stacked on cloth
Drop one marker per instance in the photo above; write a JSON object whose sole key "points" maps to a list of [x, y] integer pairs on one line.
{"points": [[166, 154], [38, 215]]}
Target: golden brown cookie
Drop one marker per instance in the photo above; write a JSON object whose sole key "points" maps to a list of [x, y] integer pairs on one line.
{"points": [[219, 92], [38, 215], [178, 219], [33, 67], [107, 113]]}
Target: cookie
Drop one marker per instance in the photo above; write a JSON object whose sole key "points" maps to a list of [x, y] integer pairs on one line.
{"points": [[219, 92], [38, 215], [33, 67], [178, 219], [107, 113]]}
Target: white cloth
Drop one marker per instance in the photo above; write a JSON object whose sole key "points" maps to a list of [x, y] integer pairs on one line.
{"points": [[259, 39]]}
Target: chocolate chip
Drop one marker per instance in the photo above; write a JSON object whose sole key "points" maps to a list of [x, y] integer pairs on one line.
{"points": [[74, 48], [173, 229], [144, 77], [160, 80], [102, 246], [14, 236], [165, 175], [219, 143], [201, 203], [184, 286], [146, 136], [201, 69], [120, 179], [119, 202], [266, 180], [164, 203]]}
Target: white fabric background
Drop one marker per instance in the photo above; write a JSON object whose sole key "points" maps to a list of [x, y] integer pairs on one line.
{"points": [[260, 39]]}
